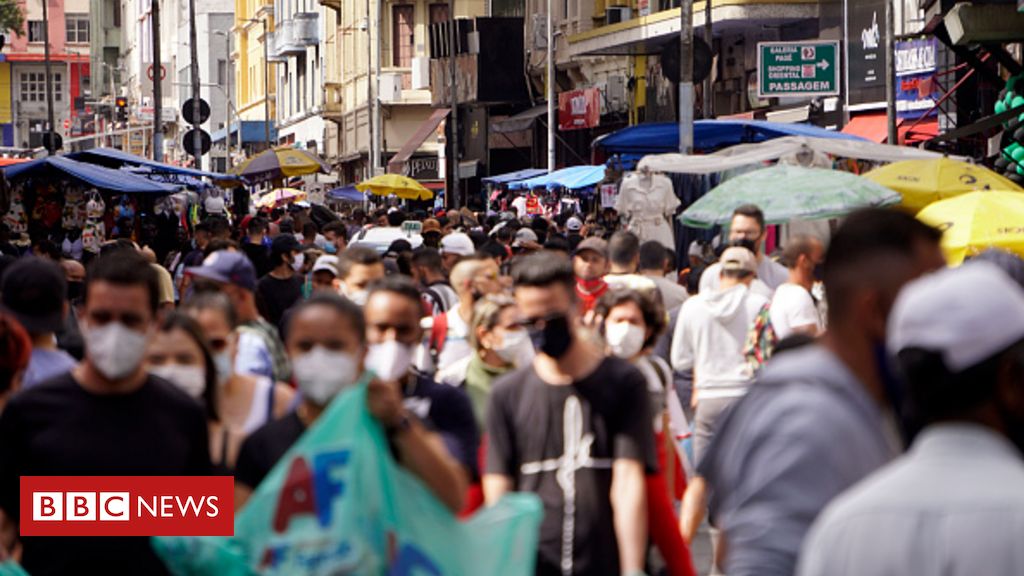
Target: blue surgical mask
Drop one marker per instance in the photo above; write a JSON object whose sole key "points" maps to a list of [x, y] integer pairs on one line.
{"points": [[330, 248]]}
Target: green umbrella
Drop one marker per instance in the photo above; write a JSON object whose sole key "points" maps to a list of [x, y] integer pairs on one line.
{"points": [[785, 192]]}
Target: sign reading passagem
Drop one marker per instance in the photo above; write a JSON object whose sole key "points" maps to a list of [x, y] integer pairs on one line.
{"points": [[797, 69]]}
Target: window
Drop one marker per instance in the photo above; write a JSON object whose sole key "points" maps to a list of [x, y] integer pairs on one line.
{"points": [[33, 87], [402, 40], [77, 28], [222, 72], [35, 30]]}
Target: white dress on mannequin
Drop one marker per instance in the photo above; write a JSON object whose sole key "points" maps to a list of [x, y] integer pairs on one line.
{"points": [[648, 203]]}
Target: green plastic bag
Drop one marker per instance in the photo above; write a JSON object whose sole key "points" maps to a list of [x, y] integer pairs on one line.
{"points": [[338, 503]]}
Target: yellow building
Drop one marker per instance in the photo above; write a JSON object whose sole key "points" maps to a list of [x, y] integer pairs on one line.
{"points": [[254, 25], [354, 54]]}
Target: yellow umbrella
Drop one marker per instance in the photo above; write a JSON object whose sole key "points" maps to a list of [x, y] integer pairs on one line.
{"points": [[279, 197], [922, 182], [976, 221], [281, 162], [401, 186]]}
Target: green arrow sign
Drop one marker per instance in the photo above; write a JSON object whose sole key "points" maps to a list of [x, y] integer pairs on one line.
{"points": [[797, 69]]}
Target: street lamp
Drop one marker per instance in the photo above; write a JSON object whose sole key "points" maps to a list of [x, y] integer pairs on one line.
{"points": [[50, 144], [266, 80]]}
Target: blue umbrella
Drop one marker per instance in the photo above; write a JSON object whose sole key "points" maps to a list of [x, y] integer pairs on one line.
{"points": [[348, 192], [91, 174]]}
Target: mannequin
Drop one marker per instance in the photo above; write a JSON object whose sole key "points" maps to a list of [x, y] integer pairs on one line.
{"points": [[647, 202]]}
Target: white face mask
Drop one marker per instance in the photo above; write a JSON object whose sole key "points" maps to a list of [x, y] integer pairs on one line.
{"points": [[515, 348], [357, 297], [624, 339], [115, 349], [321, 374], [389, 360], [222, 360], [190, 379], [300, 259]]}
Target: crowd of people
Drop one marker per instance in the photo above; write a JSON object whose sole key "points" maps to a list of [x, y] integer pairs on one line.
{"points": [[845, 405]]}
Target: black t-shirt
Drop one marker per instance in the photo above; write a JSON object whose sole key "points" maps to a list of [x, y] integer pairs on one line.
{"points": [[259, 256], [447, 411], [60, 429], [265, 446], [275, 296], [559, 442]]}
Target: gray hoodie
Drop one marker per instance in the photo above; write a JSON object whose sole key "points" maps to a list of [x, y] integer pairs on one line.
{"points": [[709, 340]]}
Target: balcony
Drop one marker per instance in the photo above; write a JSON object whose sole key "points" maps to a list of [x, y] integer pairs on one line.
{"points": [[332, 4], [293, 35], [272, 55], [333, 109]]}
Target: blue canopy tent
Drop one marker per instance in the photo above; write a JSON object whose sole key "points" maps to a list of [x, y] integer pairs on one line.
{"points": [[103, 178], [708, 136], [573, 178], [510, 177], [348, 192], [114, 158]]}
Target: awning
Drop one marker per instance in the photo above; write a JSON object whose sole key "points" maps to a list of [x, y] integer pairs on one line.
{"points": [[114, 158], [519, 122], [513, 176], [708, 135], [873, 127], [252, 131], [572, 178], [921, 132], [98, 176], [428, 127]]}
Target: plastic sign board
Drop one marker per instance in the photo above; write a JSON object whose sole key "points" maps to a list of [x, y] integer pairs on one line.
{"points": [[793, 69]]}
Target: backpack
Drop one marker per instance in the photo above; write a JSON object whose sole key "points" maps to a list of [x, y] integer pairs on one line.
{"points": [[761, 339], [438, 335]]}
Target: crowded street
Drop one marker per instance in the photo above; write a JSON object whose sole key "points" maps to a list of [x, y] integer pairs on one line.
{"points": [[511, 288]]}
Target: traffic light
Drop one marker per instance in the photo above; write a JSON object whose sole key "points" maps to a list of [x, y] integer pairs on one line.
{"points": [[121, 105]]}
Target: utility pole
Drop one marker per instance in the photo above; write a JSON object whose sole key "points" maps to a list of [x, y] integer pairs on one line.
{"points": [[550, 92], [197, 139], [227, 102], [371, 153], [455, 190], [709, 97], [266, 84], [890, 73], [52, 128], [158, 72], [685, 77], [377, 113]]}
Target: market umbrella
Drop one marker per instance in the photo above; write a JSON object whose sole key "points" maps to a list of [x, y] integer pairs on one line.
{"points": [[282, 162], [279, 197], [922, 182], [976, 221], [404, 187], [786, 192]]}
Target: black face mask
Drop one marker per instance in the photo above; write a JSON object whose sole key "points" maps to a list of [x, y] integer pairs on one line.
{"points": [[554, 338], [74, 291], [819, 272]]}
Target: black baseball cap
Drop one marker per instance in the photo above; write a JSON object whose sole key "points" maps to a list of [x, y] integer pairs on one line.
{"points": [[33, 291]]}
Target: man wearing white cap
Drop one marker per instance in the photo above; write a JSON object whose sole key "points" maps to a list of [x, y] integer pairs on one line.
{"points": [[953, 504], [454, 247]]}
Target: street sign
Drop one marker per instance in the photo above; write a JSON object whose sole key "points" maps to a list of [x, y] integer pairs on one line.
{"points": [[187, 141], [187, 111], [787, 69]]}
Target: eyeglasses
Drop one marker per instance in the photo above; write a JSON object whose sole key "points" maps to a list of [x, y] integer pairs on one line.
{"points": [[541, 322]]}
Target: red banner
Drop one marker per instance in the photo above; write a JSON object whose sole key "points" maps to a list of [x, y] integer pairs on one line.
{"points": [[579, 109], [127, 506]]}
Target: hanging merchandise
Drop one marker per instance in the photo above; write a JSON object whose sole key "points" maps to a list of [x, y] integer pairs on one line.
{"points": [[533, 204], [15, 219], [609, 194], [94, 232], [73, 216], [648, 202]]}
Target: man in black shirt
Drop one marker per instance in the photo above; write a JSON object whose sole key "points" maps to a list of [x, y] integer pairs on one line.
{"points": [[282, 287], [255, 250], [107, 417], [574, 427], [327, 344]]}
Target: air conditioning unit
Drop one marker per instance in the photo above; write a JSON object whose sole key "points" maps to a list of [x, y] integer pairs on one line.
{"points": [[390, 87], [615, 92], [616, 14], [474, 42], [420, 73]]}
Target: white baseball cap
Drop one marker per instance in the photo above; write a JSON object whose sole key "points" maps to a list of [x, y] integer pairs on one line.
{"points": [[524, 235], [573, 224], [457, 243], [968, 314], [326, 263]]}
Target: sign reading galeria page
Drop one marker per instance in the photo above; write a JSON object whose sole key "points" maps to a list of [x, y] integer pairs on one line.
{"points": [[127, 506], [797, 69]]}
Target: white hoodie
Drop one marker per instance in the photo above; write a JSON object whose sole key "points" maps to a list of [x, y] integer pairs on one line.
{"points": [[709, 339]]}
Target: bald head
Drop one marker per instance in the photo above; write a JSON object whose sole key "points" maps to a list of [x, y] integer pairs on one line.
{"points": [[74, 271]]}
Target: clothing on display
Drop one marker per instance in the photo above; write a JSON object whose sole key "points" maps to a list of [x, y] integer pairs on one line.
{"points": [[648, 202]]}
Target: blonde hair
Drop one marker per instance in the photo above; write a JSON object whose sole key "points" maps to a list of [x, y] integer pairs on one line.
{"points": [[485, 315]]}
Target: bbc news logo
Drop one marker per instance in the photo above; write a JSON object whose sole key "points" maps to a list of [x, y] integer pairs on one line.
{"points": [[127, 506]]}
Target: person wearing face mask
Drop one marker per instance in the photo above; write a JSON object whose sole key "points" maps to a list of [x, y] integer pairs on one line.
{"points": [[748, 225], [958, 336], [774, 463], [793, 307], [500, 345], [282, 287], [472, 278], [573, 427], [243, 402], [590, 263], [393, 312], [108, 416], [630, 323], [337, 237], [328, 346], [358, 267]]}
